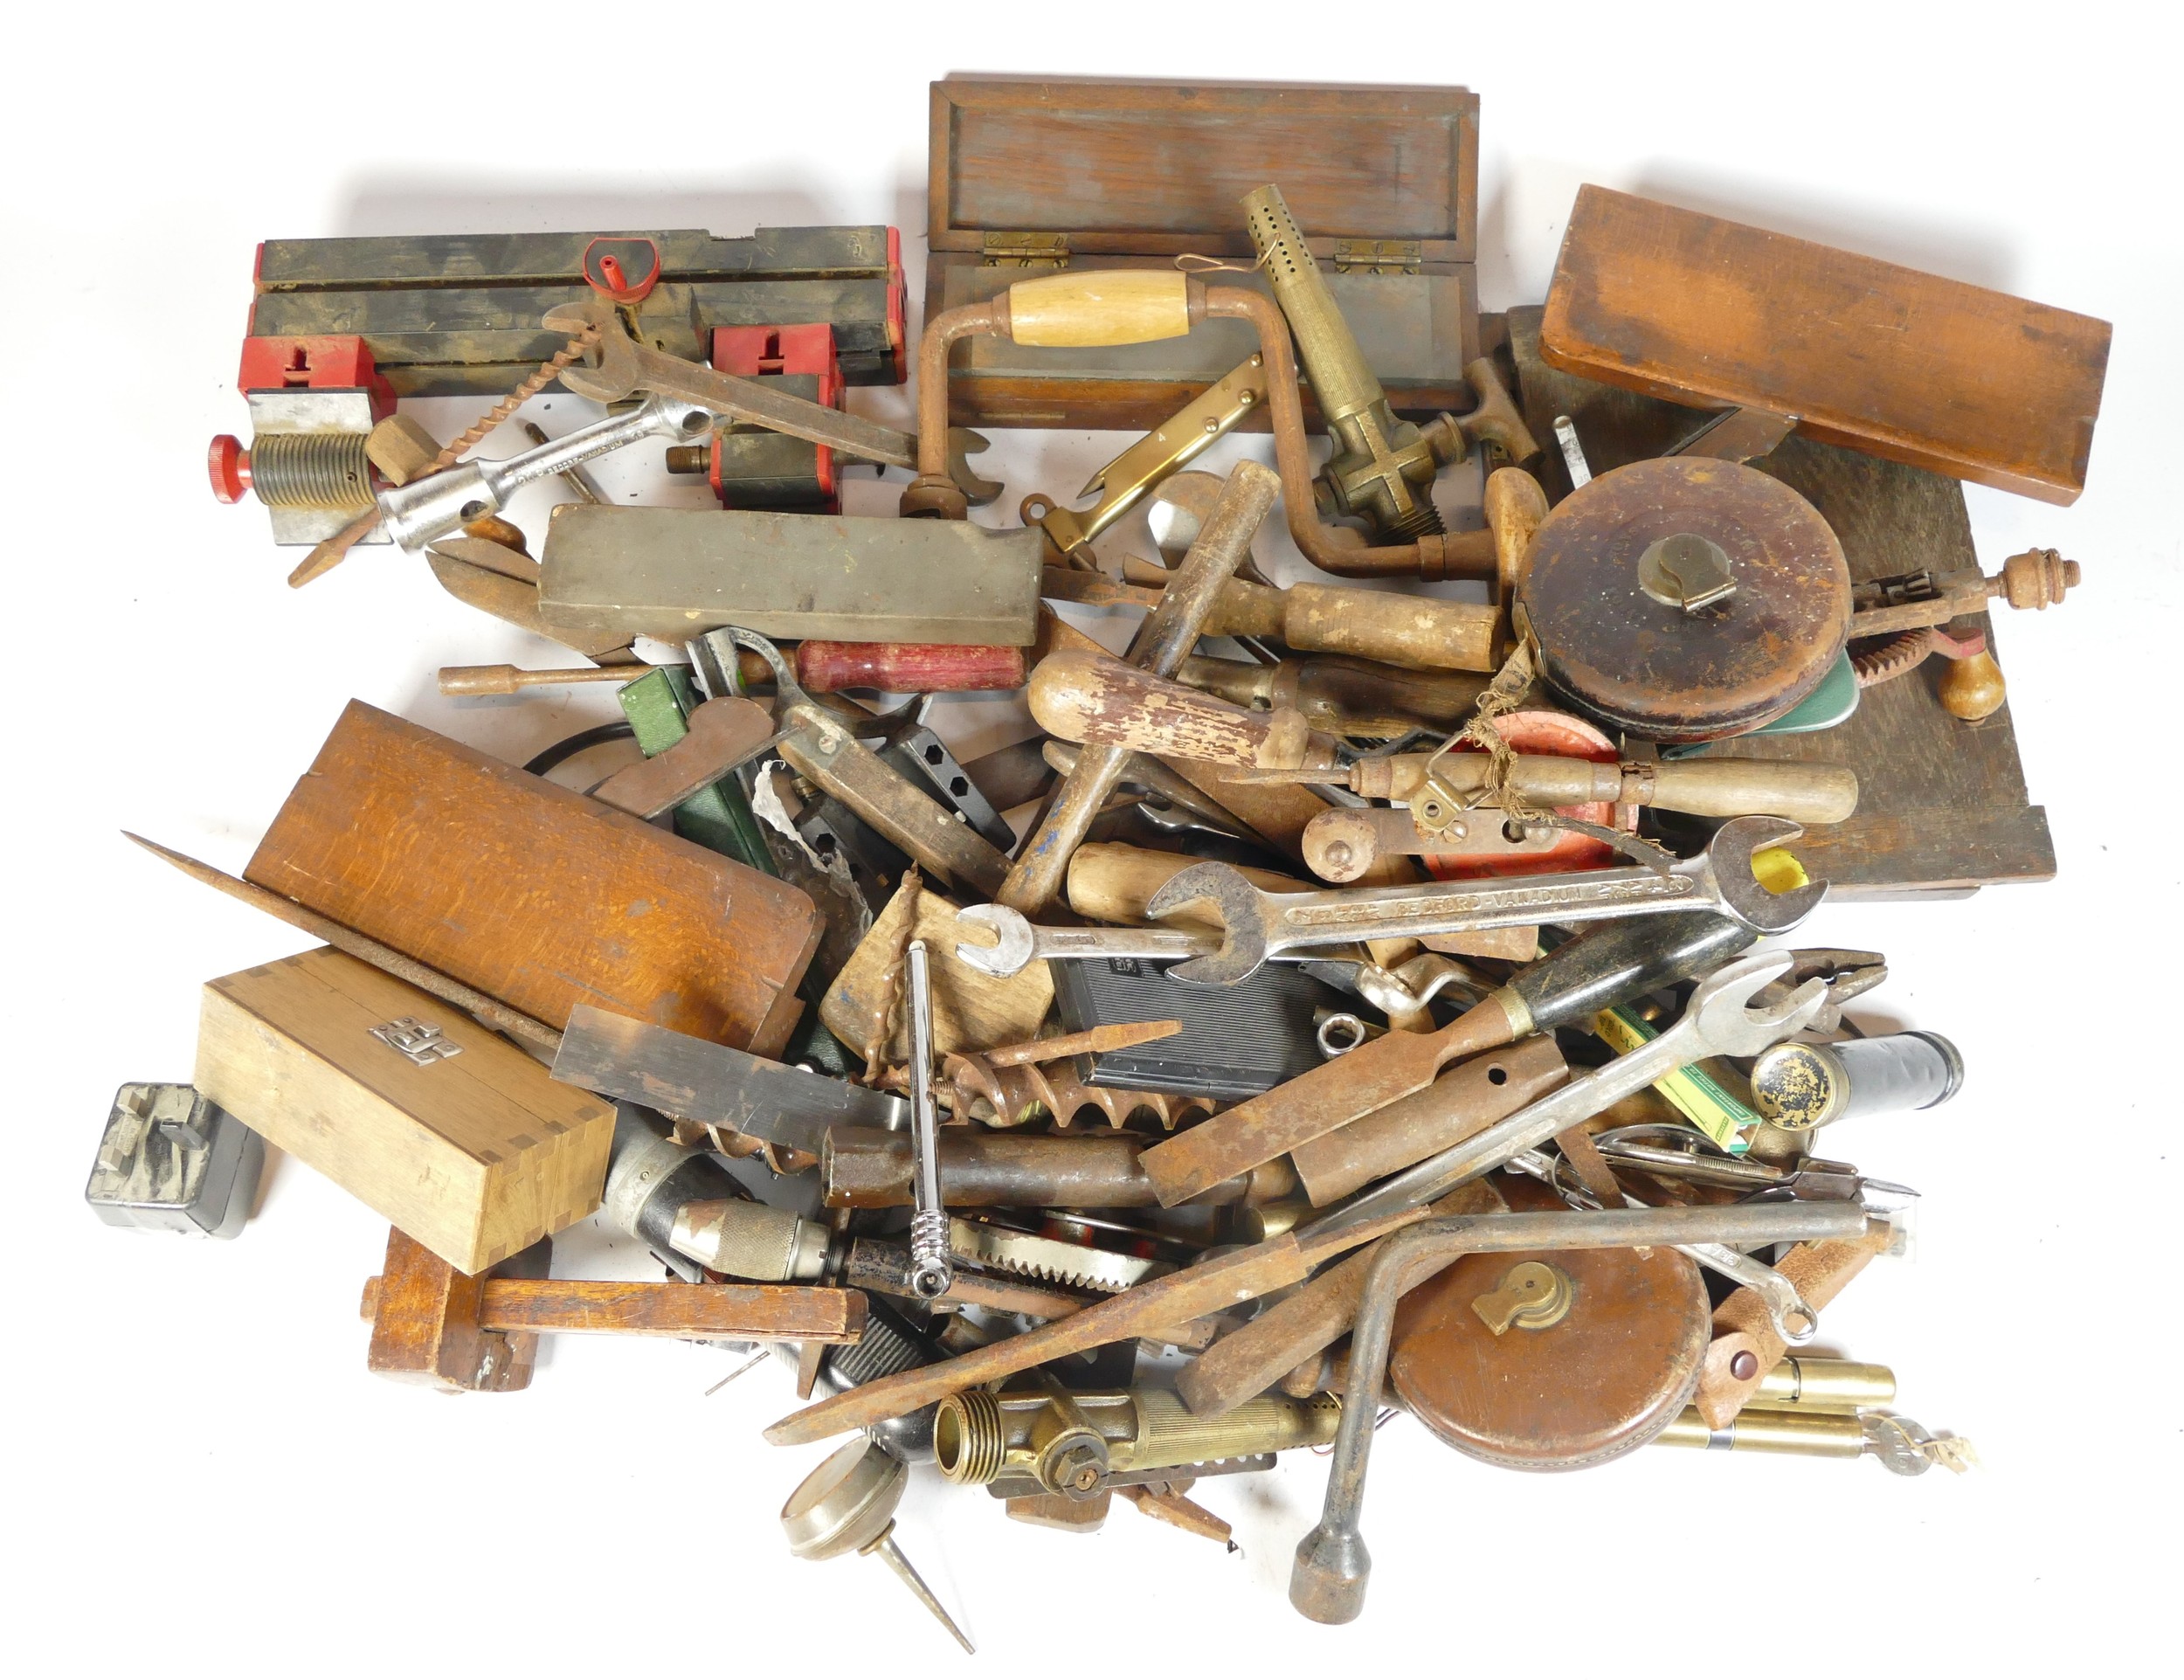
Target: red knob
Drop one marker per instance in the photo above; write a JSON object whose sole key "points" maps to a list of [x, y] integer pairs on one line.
{"points": [[227, 463]]}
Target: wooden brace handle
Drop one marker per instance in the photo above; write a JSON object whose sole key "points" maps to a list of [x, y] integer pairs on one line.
{"points": [[1103, 306]]}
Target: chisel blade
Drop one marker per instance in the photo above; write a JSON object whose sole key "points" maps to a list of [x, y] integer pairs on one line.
{"points": [[714, 1085]]}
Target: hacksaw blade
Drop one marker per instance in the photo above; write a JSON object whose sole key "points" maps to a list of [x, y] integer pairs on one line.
{"points": [[1048, 1259]]}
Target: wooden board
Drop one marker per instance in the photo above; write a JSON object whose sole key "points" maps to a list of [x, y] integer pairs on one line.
{"points": [[1942, 806], [1134, 173], [1914, 367], [533, 893], [971, 1010], [475, 1156]]}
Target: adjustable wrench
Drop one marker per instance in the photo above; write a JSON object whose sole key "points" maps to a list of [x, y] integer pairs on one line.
{"points": [[1019, 942], [1718, 1022], [624, 365], [1260, 925]]}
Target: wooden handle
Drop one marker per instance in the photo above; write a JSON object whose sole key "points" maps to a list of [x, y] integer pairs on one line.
{"points": [[1515, 505], [1114, 883], [897, 668], [1733, 787], [1392, 627], [1096, 698], [1101, 306]]}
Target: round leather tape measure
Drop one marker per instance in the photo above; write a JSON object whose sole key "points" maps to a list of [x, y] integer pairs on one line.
{"points": [[1685, 600], [1597, 1351]]}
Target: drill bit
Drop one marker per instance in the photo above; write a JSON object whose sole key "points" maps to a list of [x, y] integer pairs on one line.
{"points": [[932, 1268]]}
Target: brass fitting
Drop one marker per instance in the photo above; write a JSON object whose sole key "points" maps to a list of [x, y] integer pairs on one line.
{"points": [[1382, 469], [1051, 1440]]}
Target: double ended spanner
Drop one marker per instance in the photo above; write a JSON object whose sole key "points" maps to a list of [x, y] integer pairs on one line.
{"points": [[1260, 925]]}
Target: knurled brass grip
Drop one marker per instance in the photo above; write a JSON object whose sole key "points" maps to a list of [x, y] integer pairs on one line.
{"points": [[980, 1438], [1103, 306]]}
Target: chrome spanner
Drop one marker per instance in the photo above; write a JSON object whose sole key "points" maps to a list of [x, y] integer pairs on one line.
{"points": [[1018, 943], [1795, 1321], [1260, 925], [1718, 1022]]}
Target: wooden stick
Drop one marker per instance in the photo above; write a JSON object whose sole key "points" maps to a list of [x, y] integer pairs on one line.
{"points": [[509, 679], [493, 1012], [1116, 1035], [760, 1312]]}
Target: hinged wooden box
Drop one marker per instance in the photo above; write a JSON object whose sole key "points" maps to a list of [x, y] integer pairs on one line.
{"points": [[1384, 181], [456, 1137]]}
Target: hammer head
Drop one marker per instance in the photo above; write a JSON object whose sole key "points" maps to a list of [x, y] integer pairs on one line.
{"points": [[1728, 861], [1012, 950], [1723, 1011], [1236, 903]]}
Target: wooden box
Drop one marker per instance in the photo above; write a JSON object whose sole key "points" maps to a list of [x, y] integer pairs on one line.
{"points": [[1029, 175], [533, 893], [476, 1155], [1911, 366]]}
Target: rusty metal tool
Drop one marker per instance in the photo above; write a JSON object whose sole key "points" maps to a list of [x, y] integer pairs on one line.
{"points": [[1170, 447], [1094, 1040], [862, 1167], [1720, 1020], [1259, 925], [931, 1269], [1603, 966], [1018, 944], [1328, 1581], [1921, 600], [822, 746], [491, 1011], [1035, 880], [618, 366], [722, 735], [1702, 787]]}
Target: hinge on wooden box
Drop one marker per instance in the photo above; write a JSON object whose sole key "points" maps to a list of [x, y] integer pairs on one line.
{"points": [[1377, 256], [1024, 251], [420, 1040]]}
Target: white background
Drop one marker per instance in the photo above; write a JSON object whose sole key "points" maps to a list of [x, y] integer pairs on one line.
{"points": [[201, 1476]]}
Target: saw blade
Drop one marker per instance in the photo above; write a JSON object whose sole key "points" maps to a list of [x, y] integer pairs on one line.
{"points": [[1048, 1259]]}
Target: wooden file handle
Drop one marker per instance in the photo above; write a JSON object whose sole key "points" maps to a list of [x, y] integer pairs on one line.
{"points": [[1103, 306], [1094, 697], [1109, 882]]}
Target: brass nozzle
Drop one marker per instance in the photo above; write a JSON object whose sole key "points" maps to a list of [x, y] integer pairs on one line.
{"points": [[1382, 470], [1066, 1443]]}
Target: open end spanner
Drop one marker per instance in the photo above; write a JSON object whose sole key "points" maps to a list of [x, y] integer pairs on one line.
{"points": [[624, 365], [1018, 943], [1720, 1020], [1259, 925]]}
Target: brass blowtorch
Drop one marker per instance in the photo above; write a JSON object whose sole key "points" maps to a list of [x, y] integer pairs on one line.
{"points": [[1382, 469]]}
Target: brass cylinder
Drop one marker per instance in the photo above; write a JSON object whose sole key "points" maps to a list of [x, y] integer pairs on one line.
{"points": [[1826, 1385], [1047, 1437], [1759, 1429]]}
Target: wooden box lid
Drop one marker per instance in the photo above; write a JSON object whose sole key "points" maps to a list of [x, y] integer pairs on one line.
{"points": [[1156, 169]]}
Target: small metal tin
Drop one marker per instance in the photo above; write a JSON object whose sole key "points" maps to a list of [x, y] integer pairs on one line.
{"points": [[171, 1160], [1686, 599]]}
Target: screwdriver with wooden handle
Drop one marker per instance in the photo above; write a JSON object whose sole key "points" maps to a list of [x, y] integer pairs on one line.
{"points": [[823, 668], [1703, 787], [1610, 963], [1095, 698], [1421, 631]]}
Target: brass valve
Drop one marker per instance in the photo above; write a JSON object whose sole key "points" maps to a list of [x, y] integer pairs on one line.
{"points": [[1382, 469], [1050, 1441]]}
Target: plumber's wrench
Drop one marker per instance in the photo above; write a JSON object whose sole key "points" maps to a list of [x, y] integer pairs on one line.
{"points": [[1718, 1022], [1260, 925], [416, 512]]}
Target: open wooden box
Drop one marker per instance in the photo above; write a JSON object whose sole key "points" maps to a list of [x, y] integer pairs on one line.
{"points": [[1086, 174]]}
